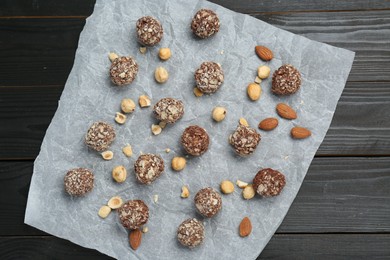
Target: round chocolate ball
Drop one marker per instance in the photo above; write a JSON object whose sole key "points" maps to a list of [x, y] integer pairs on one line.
{"points": [[244, 140], [148, 168], [78, 181], [99, 136], [133, 214], [190, 233], [149, 31], [269, 182], [209, 77], [205, 23], [123, 70], [195, 140], [168, 110], [286, 80], [208, 202]]}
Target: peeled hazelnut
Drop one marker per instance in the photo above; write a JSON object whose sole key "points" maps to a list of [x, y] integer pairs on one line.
{"points": [[119, 173], [144, 101], [248, 192], [120, 118], [241, 184], [185, 193], [227, 187], [219, 113], [197, 92], [161, 75], [112, 56], [243, 121], [115, 202], [127, 150], [164, 53], [143, 50], [104, 211], [107, 155], [178, 163], [156, 129], [263, 72], [254, 91], [127, 105]]}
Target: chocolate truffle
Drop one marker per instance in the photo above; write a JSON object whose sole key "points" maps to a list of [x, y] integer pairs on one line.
{"points": [[269, 182], [205, 23], [190, 233], [148, 168], [208, 202], [123, 70], [99, 136], [195, 140], [286, 80], [133, 214], [244, 140], [78, 181], [209, 77], [149, 31], [168, 110]]}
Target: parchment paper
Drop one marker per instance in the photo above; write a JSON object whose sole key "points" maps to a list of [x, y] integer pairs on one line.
{"points": [[89, 96]]}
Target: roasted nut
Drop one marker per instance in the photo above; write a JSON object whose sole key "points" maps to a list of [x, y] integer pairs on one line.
{"points": [[119, 173], [248, 192], [115, 202], [107, 155], [143, 50], [112, 56], [241, 184], [185, 193], [145, 229], [254, 91], [219, 113], [243, 122], [144, 101], [263, 72], [164, 53], [197, 92], [258, 80], [120, 118], [178, 163], [127, 150], [156, 129], [227, 187], [161, 75], [127, 105], [104, 211]]}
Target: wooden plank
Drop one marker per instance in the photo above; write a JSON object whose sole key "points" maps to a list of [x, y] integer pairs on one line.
{"points": [[47, 57], [361, 125], [291, 246], [85, 7], [338, 195]]}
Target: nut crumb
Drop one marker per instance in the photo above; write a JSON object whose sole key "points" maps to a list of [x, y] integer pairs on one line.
{"points": [[112, 56], [222, 52], [167, 150], [104, 211], [258, 80], [156, 129], [185, 193], [197, 92], [107, 155], [155, 198], [243, 122], [143, 50], [120, 118], [241, 184], [144, 101], [145, 229]]}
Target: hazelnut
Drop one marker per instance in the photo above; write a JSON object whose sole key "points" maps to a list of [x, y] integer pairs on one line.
{"points": [[144, 101], [219, 113], [119, 173], [185, 193], [227, 187], [112, 56], [178, 163], [104, 211], [127, 150], [243, 122], [248, 192], [241, 184], [143, 50], [254, 91], [263, 72], [197, 92], [120, 118], [127, 105], [115, 202], [161, 75], [107, 155], [164, 53], [156, 129]]}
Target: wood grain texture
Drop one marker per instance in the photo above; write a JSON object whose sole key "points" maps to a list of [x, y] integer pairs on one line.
{"points": [[85, 7], [338, 195], [47, 57]]}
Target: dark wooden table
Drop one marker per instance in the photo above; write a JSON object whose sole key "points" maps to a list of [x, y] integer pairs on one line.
{"points": [[343, 208]]}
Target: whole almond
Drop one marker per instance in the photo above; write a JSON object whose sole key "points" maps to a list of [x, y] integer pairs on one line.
{"points": [[135, 238], [300, 132], [245, 227], [286, 111], [268, 124], [264, 53]]}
